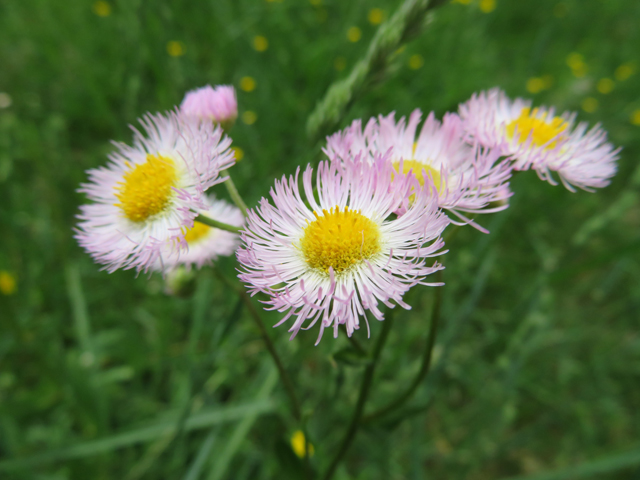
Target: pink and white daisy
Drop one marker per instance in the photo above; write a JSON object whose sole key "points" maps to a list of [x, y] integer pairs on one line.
{"points": [[205, 243], [150, 193], [466, 178], [333, 257], [537, 138], [217, 104]]}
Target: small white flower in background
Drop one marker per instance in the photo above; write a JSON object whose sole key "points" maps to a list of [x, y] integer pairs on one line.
{"points": [[537, 138], [5, 100], [217, 104], [466, 179], [331, 259], [148, 196], [205, 243]]}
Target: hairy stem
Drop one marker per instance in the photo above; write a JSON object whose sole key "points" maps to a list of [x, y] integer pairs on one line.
{"points": [[216, 224], [255, 316], [424, 368], [235, 196], [365, 387]]}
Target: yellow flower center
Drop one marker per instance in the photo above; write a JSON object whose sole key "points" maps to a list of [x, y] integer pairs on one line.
{"points": [[197, 232], [339, 240], [539, 130], [417, 168], [146, 189]]}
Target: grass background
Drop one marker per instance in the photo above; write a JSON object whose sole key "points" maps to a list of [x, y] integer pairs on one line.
{"points": [[538, 361]]}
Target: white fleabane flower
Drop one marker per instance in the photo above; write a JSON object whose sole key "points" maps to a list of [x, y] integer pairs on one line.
{"points": [[466, 179], [150, 193], [331, 258], [538, 138]]}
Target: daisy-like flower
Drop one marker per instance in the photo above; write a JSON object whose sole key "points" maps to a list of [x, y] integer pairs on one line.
{"points": [[205, 243], [217, 104], [466, 178], [150, 193], [537, 138], [329, 259]]}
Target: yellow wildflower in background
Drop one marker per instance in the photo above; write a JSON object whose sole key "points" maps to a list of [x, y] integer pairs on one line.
{"points": [[635, 117], [560, 10], [7, 283], [624, 71], [605, 85], [260, 43], [297, 444], [537, 84], [590, 104], [416, 61], [102, 8], [487, 5], [248, 84], [175, 48], [576, 63], [376, 16], [463, 2], [249, 117], [239, 153], [354, 34]]}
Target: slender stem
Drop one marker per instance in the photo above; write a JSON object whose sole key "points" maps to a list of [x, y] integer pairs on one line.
{"points": [[255, 316], [216, 224], [356, 344], [424, 368], [286, 380], [365, 387], [235, 196]]}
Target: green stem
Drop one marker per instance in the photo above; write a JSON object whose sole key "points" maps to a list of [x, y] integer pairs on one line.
{"points": [[216, 224], [365, 387], [235, 196], [255, 316], [424, 368], [286, 380]]}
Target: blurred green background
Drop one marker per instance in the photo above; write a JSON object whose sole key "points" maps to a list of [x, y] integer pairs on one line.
{"points": [[537, 365]]}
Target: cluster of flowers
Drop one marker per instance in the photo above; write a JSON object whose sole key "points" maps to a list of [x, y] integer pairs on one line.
{"points": [[370, 219]]}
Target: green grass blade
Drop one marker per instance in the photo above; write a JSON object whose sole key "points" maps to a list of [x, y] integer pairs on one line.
{"points": [[197, 421], [79, 308], [223, 459], [589, 469], [201, 458]]}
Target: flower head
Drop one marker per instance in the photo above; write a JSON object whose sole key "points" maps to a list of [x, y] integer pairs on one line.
{"points": [[150, 193], [333, 257], [466, 178], [537, 138], [217, 104], [204, 243]]}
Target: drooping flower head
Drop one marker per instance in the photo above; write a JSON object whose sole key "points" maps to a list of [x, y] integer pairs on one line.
{"points": [[466, 178], [217, 104], [149, 193], [538, 138], [204, 243], [332, 257]]}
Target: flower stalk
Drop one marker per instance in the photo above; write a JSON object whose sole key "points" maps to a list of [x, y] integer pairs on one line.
{"points": [[365, 388]]}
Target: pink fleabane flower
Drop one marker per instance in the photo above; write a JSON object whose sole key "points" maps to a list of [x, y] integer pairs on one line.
{"points": [[466, 179], [331, 258], [217, 104], [204, 243], [537, 138], [150, 193]]}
